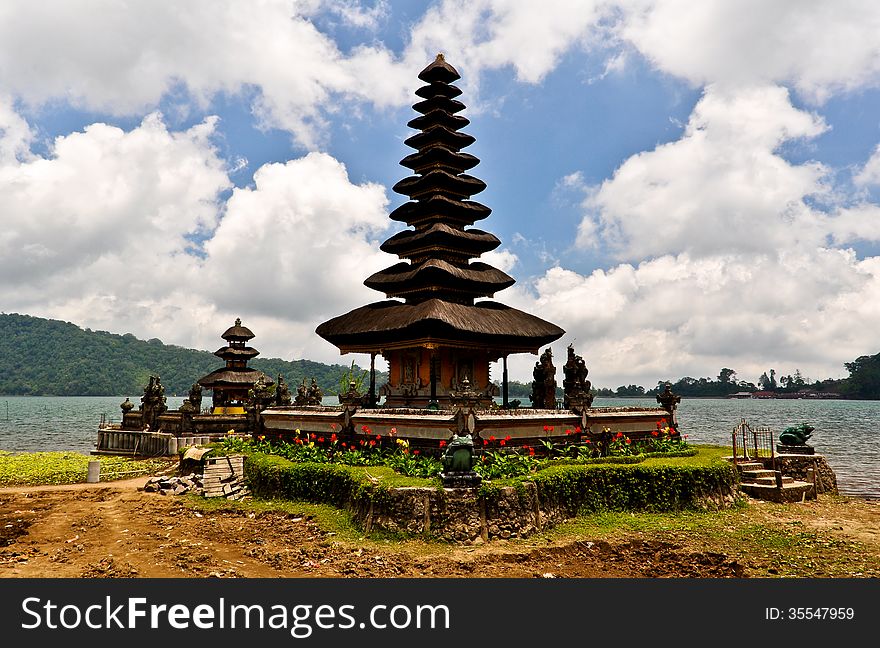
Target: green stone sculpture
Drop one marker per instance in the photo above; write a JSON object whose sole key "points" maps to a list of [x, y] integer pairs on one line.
{"points": [[459, 454], [796, 435]]}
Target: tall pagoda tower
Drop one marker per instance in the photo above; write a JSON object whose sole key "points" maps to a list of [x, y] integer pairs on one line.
{"points": [[230, 384], [438, 335]]}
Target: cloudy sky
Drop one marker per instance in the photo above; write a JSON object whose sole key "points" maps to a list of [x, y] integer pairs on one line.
{"points": [[682, 186]]}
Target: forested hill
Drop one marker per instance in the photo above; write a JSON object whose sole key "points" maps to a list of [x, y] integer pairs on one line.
{"points": [[43, 357]]}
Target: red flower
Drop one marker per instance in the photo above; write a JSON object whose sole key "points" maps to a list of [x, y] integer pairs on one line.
{"points": [[372, 443], [578, 429], [587, 441], [628, 440], [619, 435], [415, 452], [568, 431], [393, 431], [378, 437], [507, 438], [343, 444], [655, 433], [333, 426], [531, 451], [312, 436], [491, 438], [503, 441], [442, 443], [333, 437], [546, 428], [320, 439], [298, 441]]}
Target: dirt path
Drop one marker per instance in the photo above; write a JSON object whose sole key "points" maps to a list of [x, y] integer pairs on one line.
{"points": [[117, 530]]}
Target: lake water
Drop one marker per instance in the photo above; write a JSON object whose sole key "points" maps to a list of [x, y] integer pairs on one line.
{"points": [[847, 432]]}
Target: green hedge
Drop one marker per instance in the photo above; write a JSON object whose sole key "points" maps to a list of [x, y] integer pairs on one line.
{"points": [[579, 489], [270, 476], [575, 489]]}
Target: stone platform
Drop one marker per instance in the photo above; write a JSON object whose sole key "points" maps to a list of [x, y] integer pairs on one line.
{"points": [[426, 428]]}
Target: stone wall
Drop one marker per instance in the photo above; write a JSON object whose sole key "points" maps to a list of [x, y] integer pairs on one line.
{"points": [[460, 515], [797, 465]]}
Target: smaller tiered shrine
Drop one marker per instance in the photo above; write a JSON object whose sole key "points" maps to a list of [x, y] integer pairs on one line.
{"points": [[230, 384]]}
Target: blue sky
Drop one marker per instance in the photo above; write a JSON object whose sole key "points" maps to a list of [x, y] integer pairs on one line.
{"points": [[680, 188]]}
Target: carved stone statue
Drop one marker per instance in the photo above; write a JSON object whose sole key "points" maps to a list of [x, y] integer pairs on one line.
{"points": [[187, 410], [352, 396], [458, 462], [576, 387], [796, 435], [544, 384], [195, 397], [315, 396], [282, 393], [302, 396], [153, 403], [260, 395], [126, 406], [669, 402]]}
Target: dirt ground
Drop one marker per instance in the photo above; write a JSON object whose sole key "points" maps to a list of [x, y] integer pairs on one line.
{"points": [[117, 530]]}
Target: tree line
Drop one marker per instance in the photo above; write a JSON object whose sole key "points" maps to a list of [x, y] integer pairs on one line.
{"points": [[863, 382], [44, 357]]}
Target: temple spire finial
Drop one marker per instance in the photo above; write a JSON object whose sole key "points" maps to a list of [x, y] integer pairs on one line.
{"points": [[440, 57]]}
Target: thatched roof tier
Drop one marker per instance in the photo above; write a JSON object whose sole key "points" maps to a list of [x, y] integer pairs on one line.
{"points": [[440, 136], [230, 377], [438, 208], [391, 324], [439, 157], [439, 71], [450, 106], [439, 118], [438, 278], [438, 90], [236, 353], [469, 243], [237, 332], [439, 182]]}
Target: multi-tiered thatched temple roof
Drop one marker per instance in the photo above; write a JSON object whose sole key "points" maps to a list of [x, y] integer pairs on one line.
{"points": [[438, 335]]}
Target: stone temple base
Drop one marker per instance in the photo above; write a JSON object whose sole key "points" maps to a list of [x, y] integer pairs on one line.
{"points": [[461, 479], [781, 448]]}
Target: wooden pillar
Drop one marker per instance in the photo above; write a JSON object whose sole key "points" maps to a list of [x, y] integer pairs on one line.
{"points": [[433, 376], [372, 380], [504, 383]]}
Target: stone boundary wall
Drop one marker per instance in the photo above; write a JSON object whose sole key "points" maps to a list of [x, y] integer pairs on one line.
{"points": [[797, 465], [460, 515]]}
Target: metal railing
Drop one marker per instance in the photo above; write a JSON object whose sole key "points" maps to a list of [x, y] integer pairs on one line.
{"points": [[756, 443]]}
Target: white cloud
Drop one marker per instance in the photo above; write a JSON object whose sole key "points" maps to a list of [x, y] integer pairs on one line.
{"points": [[100, 232], [122, 58], [15, 134], [679, 316], [530, 37], [300, 242], [819, 47], [721, 187], [869, 174]]}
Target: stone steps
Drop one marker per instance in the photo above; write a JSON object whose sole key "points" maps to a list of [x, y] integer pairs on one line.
{"points": [[761, 483], [794, 491]]}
